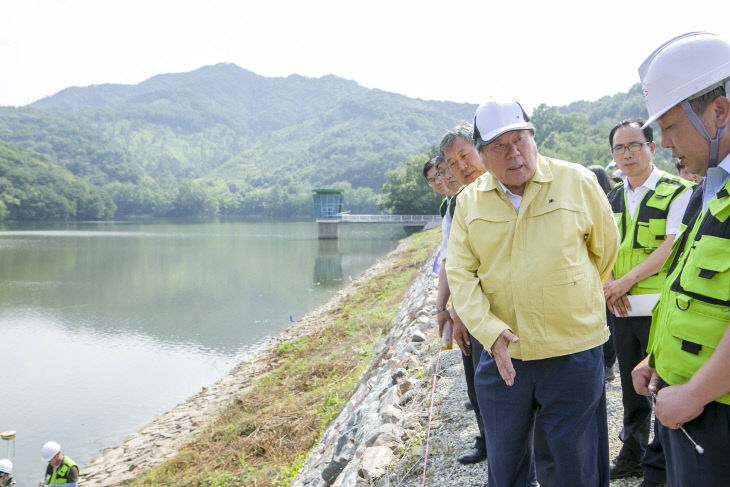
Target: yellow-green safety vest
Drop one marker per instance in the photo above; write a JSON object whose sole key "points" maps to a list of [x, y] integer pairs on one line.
{"points": [[452, 202], [693, 312], [645, 230], [444, 206], [60, 476]]}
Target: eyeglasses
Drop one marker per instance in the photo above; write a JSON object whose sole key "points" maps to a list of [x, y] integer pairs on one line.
{"points": [[432, 180], [633, 147]]}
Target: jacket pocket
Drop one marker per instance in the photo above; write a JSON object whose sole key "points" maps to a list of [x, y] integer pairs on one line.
{"points": [[569, 302], [694, 329], [651, 235], [707, 271], [497, 301], [556, 205], [662, 196], [487, 236]]}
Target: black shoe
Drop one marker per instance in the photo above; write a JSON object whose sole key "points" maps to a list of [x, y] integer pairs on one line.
{"points": [[649, 483], [623, 467], [475, 455], [468, 406], [610, 374]]}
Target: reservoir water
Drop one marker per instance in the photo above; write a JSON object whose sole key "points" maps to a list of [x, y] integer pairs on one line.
{"points": [[105, 326]]}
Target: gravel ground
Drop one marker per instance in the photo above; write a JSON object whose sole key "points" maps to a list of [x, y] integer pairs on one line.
{"points": [[453, 430]]}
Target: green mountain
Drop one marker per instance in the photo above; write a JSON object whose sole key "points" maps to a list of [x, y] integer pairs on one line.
{"points": [[31, 188], [223, 139]]}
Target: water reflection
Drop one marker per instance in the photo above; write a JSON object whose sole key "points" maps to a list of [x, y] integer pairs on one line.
{"points": [[328, 266], [106, 326]]}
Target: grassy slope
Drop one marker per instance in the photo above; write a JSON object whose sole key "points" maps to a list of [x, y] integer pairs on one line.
{"points": [[262, 438]]}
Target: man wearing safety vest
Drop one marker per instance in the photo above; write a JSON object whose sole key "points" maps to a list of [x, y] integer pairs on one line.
{"points": [[685, 82], [61, 469], [648, 209]]}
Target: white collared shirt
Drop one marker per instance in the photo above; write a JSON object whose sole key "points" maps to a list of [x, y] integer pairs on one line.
{"points": [[715, 179], [445, 233], [676, 207], [515, 199]]}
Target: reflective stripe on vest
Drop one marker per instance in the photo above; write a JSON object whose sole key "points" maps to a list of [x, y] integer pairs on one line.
{"points": [[444, 206], [452, 202], [644, 231], [694, 311]]}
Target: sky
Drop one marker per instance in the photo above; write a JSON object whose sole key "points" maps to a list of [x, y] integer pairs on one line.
{"points": [[552, 52]]}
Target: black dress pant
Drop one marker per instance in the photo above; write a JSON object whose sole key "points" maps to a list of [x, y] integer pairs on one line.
{"points": [[470, 365], [687, 467], [609, 350], [631, 338]]}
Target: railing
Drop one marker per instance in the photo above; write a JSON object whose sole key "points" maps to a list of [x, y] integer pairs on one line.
{"points": [[403, 219]]}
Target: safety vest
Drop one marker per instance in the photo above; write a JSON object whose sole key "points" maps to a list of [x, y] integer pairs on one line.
{"points": [[60, 476], [452, 202], [444, 206], [693, 313], [643, 232]]}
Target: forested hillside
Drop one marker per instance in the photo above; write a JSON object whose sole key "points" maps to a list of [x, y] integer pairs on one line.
{"points": [[223, 140], [579, 132], [31, 188]]}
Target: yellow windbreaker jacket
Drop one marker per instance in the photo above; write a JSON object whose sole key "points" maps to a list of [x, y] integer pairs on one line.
{"points": [[539, 272]]}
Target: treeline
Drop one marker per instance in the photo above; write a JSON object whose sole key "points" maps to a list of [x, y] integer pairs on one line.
{"points": [[407, 192], [31, 188], [205, 198], [577, 133]]}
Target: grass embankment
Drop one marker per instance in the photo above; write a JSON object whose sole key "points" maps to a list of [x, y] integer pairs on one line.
{"points": [[263, 437]]}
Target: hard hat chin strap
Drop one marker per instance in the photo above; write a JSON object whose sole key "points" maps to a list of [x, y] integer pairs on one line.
{"points": [[714, 143]]}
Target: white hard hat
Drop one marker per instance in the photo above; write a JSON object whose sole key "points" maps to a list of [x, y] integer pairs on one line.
{"points": [[49, 451], [683, 68], [496, 117], [6, 466]]}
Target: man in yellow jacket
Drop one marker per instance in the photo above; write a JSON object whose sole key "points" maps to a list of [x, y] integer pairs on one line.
{"points": [[531, 243]]}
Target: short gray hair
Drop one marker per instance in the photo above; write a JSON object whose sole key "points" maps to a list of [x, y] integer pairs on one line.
{"points": [[700, 104], [464, 131]]}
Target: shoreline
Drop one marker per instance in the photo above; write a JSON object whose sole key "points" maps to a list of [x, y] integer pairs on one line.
{"points": [[161, 439], [379, 436]]}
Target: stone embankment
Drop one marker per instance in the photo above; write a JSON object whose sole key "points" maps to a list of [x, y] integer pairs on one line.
{"points": [[388, 412]]}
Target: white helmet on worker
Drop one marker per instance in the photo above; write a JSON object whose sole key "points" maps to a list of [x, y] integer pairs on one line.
{"points": [[496, 117], [49, 451], [6, 466], [683, 69]]}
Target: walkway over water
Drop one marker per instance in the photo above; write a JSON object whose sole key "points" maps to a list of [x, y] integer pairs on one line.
{"points": [[329, 227], [406, 220]]}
